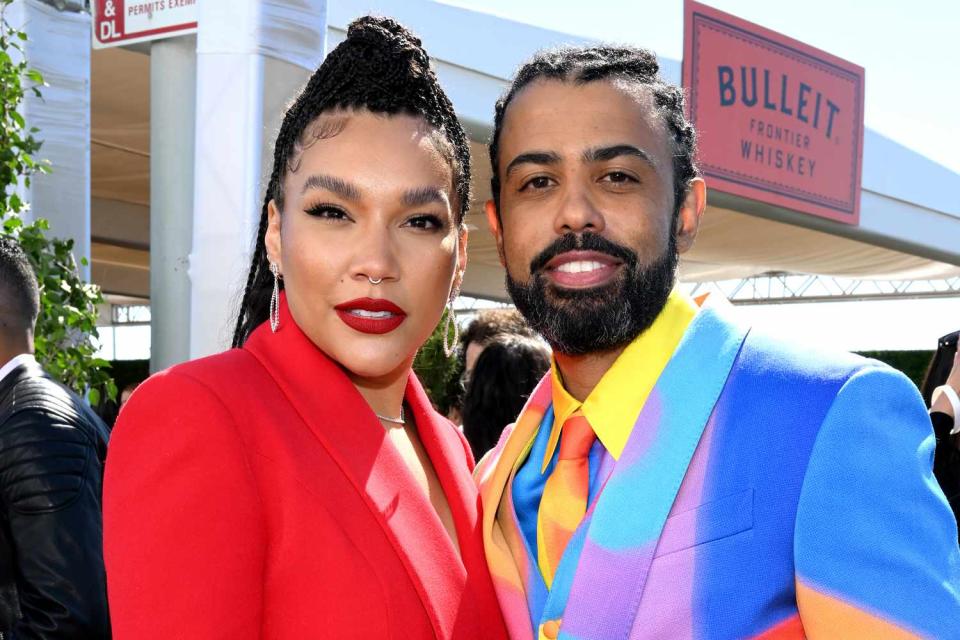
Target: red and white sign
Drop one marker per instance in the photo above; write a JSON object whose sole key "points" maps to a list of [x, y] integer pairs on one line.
{"points": [[117, 22], [778, 121]]}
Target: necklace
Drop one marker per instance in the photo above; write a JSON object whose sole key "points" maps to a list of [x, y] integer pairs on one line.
{"points": [[399, 420]]}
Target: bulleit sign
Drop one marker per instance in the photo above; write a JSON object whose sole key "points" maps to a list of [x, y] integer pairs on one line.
{"points": [[117, 22], [778, 121]]}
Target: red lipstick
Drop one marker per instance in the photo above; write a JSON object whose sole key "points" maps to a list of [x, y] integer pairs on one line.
{"points": [[371, 315]]}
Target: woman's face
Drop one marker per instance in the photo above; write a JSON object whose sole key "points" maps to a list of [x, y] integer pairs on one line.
{"points": [[371, 198]]}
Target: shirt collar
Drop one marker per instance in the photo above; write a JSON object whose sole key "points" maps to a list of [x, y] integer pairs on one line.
{"points": [[14, 362], [614, 404]]}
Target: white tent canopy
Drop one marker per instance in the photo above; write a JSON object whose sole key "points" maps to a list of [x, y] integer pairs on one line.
{"points": [[910, 214]]}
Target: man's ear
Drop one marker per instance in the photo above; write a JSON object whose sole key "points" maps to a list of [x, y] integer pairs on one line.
{"points": [[691, 211], [271, 239], [493, 219]]}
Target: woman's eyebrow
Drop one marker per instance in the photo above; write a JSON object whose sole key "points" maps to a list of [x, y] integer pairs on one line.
{"points": [[425, 195], [339, 186]]}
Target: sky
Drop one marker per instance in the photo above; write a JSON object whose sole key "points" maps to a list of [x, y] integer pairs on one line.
{"points": [[912, 60]]}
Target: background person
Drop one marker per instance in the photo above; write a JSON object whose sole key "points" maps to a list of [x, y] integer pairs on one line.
{"points": [[499, 384], [300, 485], [487, 325], [52, 449], [941, 389]]}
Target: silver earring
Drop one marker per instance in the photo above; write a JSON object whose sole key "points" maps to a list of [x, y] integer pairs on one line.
{"points": [[451, 319], [275, 298]]}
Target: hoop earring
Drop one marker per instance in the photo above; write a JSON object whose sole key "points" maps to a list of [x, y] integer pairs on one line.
{"points": [[451, 319], [275, 299]]}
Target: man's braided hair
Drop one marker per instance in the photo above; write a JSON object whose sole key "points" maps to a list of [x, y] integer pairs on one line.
{"points": [[382, 68], [581, 65]]}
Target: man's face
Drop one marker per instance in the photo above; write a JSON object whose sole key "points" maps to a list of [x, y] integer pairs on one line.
{"points": [[586, 229]]}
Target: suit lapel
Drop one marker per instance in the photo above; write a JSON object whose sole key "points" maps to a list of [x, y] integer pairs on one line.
{"points": [[513, 571], [342, 422], [627, 519]]}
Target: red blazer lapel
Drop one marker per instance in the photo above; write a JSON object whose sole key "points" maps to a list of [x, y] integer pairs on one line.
{"points": [[347, 428], [451, 458], [451, 462]]}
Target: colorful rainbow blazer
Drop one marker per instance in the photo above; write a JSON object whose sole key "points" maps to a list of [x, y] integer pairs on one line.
{"points": [[766, 491]]}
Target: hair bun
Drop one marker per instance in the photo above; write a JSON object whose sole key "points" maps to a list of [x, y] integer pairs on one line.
{"points": [[386, 36]]}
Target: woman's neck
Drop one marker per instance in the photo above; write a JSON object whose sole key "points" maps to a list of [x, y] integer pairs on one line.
{"points": [[385, 393]]}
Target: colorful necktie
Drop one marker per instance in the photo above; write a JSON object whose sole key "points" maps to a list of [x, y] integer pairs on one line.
{"points": [[564, 501]]}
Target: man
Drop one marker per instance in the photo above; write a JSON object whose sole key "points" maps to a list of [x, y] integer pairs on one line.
{"points": [[678, 475], [52, 448]]}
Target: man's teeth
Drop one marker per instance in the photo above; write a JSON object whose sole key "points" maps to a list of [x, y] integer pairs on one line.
{"points": [[579, 266], [363, 313]]}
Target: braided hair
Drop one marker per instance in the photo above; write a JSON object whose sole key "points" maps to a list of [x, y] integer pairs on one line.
{"points": [[601, 62], [381, 67]]}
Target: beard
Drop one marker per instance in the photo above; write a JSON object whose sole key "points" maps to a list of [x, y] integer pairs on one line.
{"points": [[580, 321]]}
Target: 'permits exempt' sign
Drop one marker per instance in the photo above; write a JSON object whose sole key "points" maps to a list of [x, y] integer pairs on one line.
{"points": [[778, 121], [117, 22]]}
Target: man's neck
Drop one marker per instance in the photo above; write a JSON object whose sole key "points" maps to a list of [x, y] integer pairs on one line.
{"points": [[9, 352], [581, 373]]}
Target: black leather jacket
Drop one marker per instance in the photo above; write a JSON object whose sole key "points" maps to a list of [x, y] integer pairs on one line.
{"points": [[52, 450]]}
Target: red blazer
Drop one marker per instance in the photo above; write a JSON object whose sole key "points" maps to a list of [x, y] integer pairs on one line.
{"points": [[254, 494]]}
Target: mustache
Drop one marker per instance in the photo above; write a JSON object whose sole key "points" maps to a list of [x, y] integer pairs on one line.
{"points": [[583, 242]]}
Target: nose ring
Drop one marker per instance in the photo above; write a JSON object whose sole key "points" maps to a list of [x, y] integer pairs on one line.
{"points": [[374, 280]]}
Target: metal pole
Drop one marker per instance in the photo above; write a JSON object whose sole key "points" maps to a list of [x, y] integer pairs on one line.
{"points": [[173, 81]]}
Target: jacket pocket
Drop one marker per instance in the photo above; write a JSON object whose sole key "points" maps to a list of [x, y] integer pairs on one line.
{"points": [[710, 521]]}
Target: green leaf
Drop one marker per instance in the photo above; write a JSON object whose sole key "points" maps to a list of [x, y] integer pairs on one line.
{"points": [[93, 396]]}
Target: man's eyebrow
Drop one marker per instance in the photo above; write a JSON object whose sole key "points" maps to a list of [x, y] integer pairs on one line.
{"points": [[532, 157], [604, 154], [341, 187], [424, 195]]}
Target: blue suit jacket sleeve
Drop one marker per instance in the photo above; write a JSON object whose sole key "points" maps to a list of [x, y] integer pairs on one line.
{"points": [[875, 540]]}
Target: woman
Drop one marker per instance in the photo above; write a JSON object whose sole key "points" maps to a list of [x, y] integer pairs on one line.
{"points": [[300, 485]]}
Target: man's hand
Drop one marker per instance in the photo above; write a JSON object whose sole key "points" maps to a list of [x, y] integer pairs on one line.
{"points": [[942, 402]]}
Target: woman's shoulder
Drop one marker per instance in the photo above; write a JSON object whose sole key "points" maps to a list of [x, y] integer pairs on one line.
{"points": [[216, 374], [212, 386]]}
